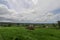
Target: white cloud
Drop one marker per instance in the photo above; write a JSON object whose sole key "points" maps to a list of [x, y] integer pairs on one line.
{"points": [[39, 12], [7, 13]]}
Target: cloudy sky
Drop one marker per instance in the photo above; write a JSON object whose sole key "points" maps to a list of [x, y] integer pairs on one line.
{"points": [[30, 11]]}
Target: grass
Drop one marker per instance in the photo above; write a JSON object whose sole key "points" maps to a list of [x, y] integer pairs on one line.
{"points": [[20, 33]]}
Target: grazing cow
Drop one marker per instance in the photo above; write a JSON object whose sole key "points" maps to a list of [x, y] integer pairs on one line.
{"points": [[30, 27]]}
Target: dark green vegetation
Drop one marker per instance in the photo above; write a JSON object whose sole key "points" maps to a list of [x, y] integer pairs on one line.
{"points": [[21, 33], [59, 24], [8, 24]]}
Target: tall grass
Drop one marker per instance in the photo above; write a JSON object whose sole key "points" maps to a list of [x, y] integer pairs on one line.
{"points": [[20, 33]]}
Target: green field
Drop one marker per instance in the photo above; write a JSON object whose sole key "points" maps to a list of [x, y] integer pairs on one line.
{"points": [[21, 33]]}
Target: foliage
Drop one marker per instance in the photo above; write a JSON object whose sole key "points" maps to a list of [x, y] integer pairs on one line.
{"points": [[59, 23]]}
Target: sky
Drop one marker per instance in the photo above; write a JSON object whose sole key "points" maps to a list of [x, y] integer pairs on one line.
{"points": [[30, 11]]}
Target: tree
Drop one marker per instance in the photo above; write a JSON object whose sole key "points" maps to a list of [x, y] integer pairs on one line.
{"points": [[59, 24]]}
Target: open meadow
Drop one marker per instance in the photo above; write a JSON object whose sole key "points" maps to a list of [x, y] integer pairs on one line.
{"points": [[21, 33]]}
